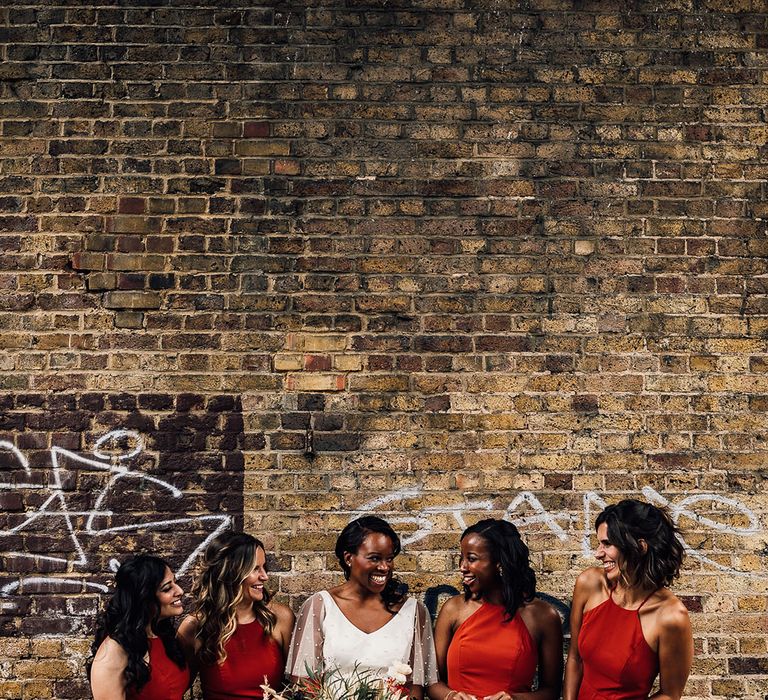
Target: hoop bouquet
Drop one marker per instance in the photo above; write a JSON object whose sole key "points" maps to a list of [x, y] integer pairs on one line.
{"points": [[357, 685]]}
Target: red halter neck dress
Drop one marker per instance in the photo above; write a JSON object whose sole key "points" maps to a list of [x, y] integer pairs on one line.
{"points": [[166, 680], [253, 657], [487, 654], [617, 661]]}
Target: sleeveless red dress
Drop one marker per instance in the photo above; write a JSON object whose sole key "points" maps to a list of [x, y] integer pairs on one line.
{"points": [[487, 655], [251, 655], [617, 662], [166, 680]]}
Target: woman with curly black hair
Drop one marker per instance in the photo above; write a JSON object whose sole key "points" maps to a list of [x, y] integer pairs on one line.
{"points": [[367, 624], [491, 640], [237, 633], [135, 653], [627, 627]]}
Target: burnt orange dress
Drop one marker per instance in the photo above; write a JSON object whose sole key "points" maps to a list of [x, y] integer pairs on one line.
{"points": [[487, 654]]}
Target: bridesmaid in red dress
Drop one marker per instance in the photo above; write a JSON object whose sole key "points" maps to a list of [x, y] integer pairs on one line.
{"points": [[237, 634], [491, 640], [627, 627], [136, 655]]}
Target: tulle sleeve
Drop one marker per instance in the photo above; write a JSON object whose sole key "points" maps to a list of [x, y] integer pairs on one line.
{"points": [[307, 642], [423, 658]]}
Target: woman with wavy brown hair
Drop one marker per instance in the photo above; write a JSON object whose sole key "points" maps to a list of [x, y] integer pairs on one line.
{"points": [[627, 627], [237, 633]]}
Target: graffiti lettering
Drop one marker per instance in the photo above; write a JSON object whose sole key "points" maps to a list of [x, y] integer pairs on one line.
{"points": [[592, 503], [56, 507]]}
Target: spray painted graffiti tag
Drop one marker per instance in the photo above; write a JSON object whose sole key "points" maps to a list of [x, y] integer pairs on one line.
{"points": [[56, 509]]}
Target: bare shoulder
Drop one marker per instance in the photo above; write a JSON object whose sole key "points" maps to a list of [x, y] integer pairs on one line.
{"points": [[189, 624], [108, 669], [453, 606], [110, 654], [672, 614], [541, 619], [282, 612], [541, 611], [590, 580], [452, 611]]}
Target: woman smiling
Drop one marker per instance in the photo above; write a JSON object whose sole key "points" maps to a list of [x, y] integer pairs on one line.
{"points": [[365, 625], [237, 634], [627, 627], [136, 656], [491, 640]]}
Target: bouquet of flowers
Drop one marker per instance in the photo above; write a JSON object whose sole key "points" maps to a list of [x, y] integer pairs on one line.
{"points": [[335, 685]]}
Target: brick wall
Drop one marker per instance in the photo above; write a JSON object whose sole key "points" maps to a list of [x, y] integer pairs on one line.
{"points": [[276, 264]]}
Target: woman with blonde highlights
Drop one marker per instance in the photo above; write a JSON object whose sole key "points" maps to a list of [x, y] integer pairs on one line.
{"points": [[237, 633]]}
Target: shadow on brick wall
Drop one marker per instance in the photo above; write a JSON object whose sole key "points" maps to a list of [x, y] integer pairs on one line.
{"points": [[86, 480]]}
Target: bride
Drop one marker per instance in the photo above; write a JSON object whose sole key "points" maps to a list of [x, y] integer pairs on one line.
{"points": [[365, 625]]}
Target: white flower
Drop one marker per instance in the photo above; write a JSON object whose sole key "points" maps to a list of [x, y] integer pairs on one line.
{"points": [[399, 672]]}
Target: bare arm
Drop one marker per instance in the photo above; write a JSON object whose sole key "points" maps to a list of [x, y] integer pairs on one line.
{"points": [[187, 636], [283, 627], [107, 681], [675, 651], [574, 669], [444, 629]]}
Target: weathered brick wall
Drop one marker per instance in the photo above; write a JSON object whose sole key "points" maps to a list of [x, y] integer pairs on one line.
{"points": [[276, 264]]}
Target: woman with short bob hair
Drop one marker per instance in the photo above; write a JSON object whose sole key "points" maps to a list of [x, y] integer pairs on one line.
{"points": [[135, 652], [627, 627], [366, 625], [237, 633], [491, 640]]}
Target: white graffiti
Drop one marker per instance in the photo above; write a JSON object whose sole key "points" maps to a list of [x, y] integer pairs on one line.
{"points": [[677, 510], [57, 508], [592, 503], [457, 511]]}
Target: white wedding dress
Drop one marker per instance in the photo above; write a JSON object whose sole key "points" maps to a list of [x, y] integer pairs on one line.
{"points": [[324, 639]]}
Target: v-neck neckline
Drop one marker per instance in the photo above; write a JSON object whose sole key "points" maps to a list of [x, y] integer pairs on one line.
{"points": [[352, 624]]}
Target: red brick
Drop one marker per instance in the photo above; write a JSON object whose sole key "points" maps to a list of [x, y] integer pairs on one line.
{"points": [[132, 205], [255, 129]]}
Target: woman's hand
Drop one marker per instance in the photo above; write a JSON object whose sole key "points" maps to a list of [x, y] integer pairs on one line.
{"points": [[457, 695], [501, 695]]}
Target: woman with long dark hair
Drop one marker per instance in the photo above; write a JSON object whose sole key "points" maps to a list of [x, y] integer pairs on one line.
{"points": [[367, 624], [491, 640], [237, 633], [627, 627], [135, 653]]}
